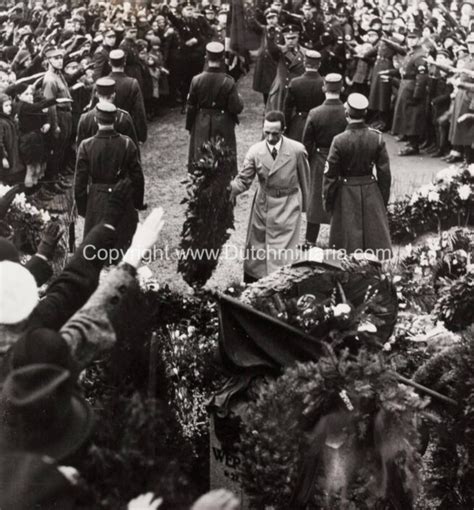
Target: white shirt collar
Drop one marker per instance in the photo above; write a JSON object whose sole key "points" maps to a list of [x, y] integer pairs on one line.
{"points": [[277, 146]]}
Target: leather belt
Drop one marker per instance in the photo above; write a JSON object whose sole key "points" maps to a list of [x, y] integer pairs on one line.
{"points": [[280, 192], [211, 110], [358, 180], [302, 113]]}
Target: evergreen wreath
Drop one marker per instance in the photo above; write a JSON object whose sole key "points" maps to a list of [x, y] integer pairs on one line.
{"points": [[209, 215], [356, 420]]}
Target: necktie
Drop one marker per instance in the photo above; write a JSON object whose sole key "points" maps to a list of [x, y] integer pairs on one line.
{"points": [[274, 153]]}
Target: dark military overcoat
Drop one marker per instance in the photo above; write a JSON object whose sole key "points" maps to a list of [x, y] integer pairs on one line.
{"points": [[212, 108], [356, 189], [409, 117], [304, 93], [323, 124]]}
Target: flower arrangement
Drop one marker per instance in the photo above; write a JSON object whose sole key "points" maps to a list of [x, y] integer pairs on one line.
{"points": [[448, 201], [209, 215], [329, 433], [26, 221]]}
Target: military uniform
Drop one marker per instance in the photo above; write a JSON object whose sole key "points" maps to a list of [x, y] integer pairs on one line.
{"points": [[323, 124], [88, 125], [311, 34], [212, 107], [101, 161], [352, 194], [380, 88], [409, 116], [290, 65], [463, 133], [304, 93], [128, 96], [55, 87], [266, 65], [133, 67]]}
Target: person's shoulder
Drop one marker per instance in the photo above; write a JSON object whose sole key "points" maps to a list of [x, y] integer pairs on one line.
{"points": [[294, 145], [256, 147]]}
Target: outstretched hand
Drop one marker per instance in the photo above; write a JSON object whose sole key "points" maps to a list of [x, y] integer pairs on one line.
{"points": [[145, 502], [220, 499]]}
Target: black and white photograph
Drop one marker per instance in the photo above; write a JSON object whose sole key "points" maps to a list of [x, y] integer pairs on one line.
{"points": [[236, 255]]}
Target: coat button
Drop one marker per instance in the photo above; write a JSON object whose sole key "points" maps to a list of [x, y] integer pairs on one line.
{"points": [[345, 180], [110, 190]]}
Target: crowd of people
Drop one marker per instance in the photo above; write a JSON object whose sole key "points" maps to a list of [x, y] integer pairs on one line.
{"points": [[78, 86]]}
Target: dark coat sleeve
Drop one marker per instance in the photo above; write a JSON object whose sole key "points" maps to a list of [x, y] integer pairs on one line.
{"points": [[332, 172], [135, 174], [289, 105], [139, 115], [81, 179], [75, 284], [384, 177], [234, 103], [309, 135], [191, 105], [40, 269], [421, 81]]}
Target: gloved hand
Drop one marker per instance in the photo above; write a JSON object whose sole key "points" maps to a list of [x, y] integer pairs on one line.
{"points": [[121, 195], [50, 239], [7, 199]]}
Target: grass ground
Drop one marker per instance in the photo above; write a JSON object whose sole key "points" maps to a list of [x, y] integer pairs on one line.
{"points": [[164, 161]]}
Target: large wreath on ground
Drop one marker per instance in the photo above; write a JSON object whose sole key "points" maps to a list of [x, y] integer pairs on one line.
{"points": [[209, 215], [339, 433]]}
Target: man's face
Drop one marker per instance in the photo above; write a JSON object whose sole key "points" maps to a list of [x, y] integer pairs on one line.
{"points": [[77, 26], [372, 38], [187, 12], [57, 62], [272, 21], [68, 25], [277, 6], [27, 95], [387, 24], [291, 40], [131, 33], [7, 107], [110, 40], [413, 41], [272, 131]]}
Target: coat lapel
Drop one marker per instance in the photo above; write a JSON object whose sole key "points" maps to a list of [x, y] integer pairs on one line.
{"points": [[284, 155]]}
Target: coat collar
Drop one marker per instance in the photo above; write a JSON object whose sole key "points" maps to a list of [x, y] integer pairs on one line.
{"points": [[356, 125], [106, 133], [284, 155], [331, 102]]}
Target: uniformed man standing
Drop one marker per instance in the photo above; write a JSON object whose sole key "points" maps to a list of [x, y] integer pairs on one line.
{"points": [[55, 87], [265, 64], [101, 55], [88, 126], [304, 93], [128, 95], [313, 28], [290, 60], [101, 162], [355, 196], [409, 117], [213, 104], [129, 46], [323, 124]]}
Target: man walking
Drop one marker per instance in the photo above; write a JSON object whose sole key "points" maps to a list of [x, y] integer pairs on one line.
{"points": [[101, 55], [281, 166], [128, 95], [323, 124], [213, 104], [304, 93], [102, 161], [355, 198]]}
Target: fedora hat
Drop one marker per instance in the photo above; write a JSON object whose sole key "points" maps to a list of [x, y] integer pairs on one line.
{"points": [[42, 413]]}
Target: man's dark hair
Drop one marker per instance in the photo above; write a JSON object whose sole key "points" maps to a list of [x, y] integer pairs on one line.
{"points": [[275, 116]]}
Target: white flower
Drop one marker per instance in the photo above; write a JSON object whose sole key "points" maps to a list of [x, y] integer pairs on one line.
{"points": [[471, 169], [191, 330], [387, 346], [464, 191], [425, 190], [367, 327], [341, 309], [433, 196], [414, 198], [447, 174]]}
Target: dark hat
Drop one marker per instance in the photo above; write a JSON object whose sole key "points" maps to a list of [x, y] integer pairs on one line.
{"points": [[327, 38], [271, 13], [373, 31], [141, 44], [413, 33], [40, 345], [215, 50], [357, 105], [117, 57], [42, 413], [291, 30], [105, 112], [31, 481], [312, 57], [375, 21], [333, 82], [53, 51], [105, 86]]}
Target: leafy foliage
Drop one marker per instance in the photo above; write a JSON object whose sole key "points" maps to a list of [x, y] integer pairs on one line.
{"points": [[447, 202], [350, 410], [209, 214]]}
